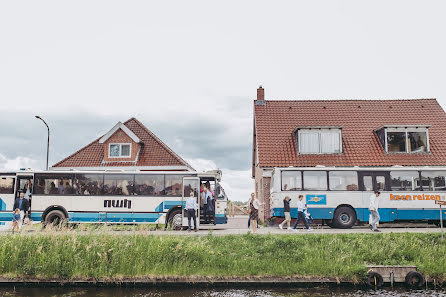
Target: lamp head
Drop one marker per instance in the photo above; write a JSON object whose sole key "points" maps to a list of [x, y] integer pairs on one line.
{"points": [[37, 117]]}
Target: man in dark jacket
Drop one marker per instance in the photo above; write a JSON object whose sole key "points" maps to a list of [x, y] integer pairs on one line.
{"points": [[286, 211], [22, 204]]}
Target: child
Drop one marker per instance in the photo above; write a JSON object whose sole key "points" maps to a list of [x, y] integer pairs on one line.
{"points": [[16, 219]]}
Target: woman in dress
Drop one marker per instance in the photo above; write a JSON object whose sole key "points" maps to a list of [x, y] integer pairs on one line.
{"points": [[254, 211]]}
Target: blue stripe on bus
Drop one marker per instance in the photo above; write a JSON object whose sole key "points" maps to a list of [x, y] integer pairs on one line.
{"points": [[2, 204], [169, 204], [221, 220], [124, 217], [386, 214], [7, 216]]}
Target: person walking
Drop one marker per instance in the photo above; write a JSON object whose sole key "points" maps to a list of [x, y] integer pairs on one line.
{"points": [[286, 211], [300, 214], [254, 212], [191, 207], [23, 205], [373, 207], [16, 220]]}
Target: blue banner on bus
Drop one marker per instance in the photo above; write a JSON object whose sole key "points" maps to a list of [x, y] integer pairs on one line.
{"points": [[317, 199]]}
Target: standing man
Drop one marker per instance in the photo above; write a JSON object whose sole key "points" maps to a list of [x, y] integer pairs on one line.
{"points": [[23, 205], [191, 207], [373, 207], [207, 198], [286, 211], [300, 214]]}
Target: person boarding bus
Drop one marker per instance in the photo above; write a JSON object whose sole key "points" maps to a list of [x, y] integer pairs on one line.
{"points": [[191, 207]]}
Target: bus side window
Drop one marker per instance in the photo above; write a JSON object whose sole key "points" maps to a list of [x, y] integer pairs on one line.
{"points": [[380, 182], [368, 183], [6, 185]]}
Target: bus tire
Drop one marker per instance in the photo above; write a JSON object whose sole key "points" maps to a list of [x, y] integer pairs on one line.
{"points": [[375, 280], [344, 217], [414, 280], [55, 217], [175, 220]]}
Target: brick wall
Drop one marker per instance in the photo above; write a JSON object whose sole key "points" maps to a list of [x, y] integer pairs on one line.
{"points": [[121, 137], [262, 191]]}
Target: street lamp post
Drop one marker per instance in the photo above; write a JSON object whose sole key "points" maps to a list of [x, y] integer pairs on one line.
{"points": [[48, 142]]}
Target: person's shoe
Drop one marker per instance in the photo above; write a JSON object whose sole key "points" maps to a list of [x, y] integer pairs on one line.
{"points": [[280, 226], [196, 230], [309, 229], [188, 230], [295, 230], [371, 227], [376, 230], [289, 228]]}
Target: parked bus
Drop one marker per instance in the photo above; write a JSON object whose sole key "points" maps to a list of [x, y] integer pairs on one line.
{"points": [[340, 196], [111, 197]]}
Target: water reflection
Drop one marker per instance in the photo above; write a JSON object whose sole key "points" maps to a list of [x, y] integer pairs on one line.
{"points": [[196, 292]]}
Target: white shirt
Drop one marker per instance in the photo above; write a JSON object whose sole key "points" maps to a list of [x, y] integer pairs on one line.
{"points": [[191, 203], [300, 206], [373, 202]]}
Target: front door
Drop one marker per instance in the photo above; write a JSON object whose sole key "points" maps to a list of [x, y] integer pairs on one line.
{"points": [[190, 184], [368, 183]]}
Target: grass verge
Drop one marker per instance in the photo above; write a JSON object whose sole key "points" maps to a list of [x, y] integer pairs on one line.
{"points": [[70, 255]]}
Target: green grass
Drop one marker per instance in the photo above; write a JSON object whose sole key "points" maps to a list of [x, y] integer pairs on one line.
{"points": [[68, 254]]}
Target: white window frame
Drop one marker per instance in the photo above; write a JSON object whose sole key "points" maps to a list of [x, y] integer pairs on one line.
{"points": [[120, 150], [319, 131], [406, 130]]}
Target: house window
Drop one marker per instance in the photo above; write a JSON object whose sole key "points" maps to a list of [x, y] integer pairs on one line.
{"points": [[319, 141], [119, 150], [404, 139]]}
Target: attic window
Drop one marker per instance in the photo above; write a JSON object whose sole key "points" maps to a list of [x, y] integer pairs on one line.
{"points": [[119, 150], [409, 139], [319, 140]]}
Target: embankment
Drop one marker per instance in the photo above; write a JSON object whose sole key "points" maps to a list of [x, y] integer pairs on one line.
{"points": [[114, 258]]}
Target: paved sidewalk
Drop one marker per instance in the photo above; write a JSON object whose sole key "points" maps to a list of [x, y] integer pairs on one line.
{"points": [[239, 225]]}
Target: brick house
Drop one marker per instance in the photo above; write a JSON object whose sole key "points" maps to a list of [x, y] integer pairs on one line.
{"points": [[343, 133], [127, 146]]}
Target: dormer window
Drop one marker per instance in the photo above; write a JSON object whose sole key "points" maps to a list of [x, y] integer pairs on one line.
{"points": [[319, 140], [404, 139], [119, 150]]}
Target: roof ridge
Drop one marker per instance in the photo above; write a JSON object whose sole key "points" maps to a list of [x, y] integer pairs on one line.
{"points": [[175, 155], [343, 100]]}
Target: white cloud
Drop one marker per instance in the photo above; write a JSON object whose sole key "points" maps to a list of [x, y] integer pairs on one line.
{"points": [[238, 184], [18, 162]]}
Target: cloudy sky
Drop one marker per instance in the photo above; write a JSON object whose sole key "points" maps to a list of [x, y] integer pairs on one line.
{"points": [[189, 69]]}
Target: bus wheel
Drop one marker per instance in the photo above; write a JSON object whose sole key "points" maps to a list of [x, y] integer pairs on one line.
{"points": [[344, 217], [414, 280], [55, 217], [176, 220]]}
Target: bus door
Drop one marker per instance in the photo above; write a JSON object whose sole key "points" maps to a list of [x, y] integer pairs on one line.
{"points": [[7, 184], [25, 184], [190, 184], [368, 183]]}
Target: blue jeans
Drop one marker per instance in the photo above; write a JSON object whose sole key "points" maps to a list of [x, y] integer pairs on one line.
{"points": [[375, 219], [300, 216]]}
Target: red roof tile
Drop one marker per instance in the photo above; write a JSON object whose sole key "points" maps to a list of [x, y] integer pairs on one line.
{"points": [[154, 152], [276, 121]]}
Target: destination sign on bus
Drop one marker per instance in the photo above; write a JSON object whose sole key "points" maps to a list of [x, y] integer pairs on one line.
{"points": [[415, 197]]}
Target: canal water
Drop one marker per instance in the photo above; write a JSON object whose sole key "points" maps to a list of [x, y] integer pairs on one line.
{"points": [[192, 292]]}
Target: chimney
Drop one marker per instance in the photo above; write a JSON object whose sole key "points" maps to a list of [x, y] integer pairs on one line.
{"points": [[260, 93]]}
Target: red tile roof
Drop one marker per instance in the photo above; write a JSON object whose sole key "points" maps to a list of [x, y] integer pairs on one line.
{"points": [[154, 152], [276, 120]]}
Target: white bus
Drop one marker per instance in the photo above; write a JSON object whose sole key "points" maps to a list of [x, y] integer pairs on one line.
{"points": [[340, 196], [110, 197]]}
